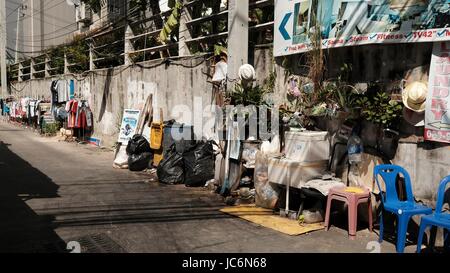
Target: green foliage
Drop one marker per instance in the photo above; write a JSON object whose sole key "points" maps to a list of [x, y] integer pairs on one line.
{"points": [[56, 57], [380, 109], [218, 49], [254, 94], [171, 24], [78, 53], [269, 83], [248, 95], [342, 94], [51, 129]]}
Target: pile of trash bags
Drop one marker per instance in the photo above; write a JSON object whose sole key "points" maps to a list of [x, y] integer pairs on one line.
{"points": [[171, 168], [192, 164], [139, 153]]}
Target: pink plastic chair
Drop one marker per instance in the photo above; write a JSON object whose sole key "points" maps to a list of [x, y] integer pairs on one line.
{"points": [[353, 200]]}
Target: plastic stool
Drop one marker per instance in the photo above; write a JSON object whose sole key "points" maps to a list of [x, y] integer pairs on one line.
{"points": [[353, 197]]}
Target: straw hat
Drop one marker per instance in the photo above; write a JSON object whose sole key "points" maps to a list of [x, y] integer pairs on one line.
{"points": [[415, 96]]}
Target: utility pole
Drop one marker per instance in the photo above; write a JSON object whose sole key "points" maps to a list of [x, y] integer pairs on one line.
{"points": [[19, 13], [3, 48], [32, 25], [237, 37]]}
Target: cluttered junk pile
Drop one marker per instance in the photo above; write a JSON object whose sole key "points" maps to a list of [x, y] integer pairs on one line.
{"points": [[166, 148], [63, 112], [242, 171]]}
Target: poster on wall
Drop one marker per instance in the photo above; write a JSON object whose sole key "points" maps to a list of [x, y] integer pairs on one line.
{"points": [[129, 124], [437, 113], [358, 22]]}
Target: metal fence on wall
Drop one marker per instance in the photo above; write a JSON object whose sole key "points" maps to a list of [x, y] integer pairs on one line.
{"points": [[133, 37]]}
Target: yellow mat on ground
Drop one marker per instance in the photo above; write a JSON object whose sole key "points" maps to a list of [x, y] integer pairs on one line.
{"points": [[266, 218]]}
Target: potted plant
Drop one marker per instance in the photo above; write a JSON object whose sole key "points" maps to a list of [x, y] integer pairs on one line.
{"points": [[382, 114]]}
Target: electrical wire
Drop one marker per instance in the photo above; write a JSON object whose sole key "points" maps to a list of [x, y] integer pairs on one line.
{"points": [[120, 19], [19, 90], [35, 12], [166, 61], [13, 11], [65, 34]]}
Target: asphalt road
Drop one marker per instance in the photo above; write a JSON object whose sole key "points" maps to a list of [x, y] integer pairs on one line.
{"points": [[53, 192]]}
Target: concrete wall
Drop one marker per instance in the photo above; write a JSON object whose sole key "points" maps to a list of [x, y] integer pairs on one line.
{"points": [[427, 163], [175, 88]]}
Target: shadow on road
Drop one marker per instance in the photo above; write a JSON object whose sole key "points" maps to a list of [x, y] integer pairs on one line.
{"points": [[21, 229]]}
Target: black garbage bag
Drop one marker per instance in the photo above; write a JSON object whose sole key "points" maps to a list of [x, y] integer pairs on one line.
{"points": [[171, 168], [184, 135], [199, 164], [139, 162], [138, 145]]}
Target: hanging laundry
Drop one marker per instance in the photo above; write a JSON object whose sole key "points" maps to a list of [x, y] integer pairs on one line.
{"points": [[61, 91], [24, 107], [31, 109], [54, 90], [79, 115]]}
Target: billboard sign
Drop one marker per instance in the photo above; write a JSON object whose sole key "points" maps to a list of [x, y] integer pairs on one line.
{"points": [[359, 22], [437, 113]]}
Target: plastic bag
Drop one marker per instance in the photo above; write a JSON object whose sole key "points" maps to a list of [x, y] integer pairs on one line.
{"points": [[171, 168], [138, 145], [121, 159], [266, 194], [199, 164], [312, 217], [271, 147], [139, 163]]}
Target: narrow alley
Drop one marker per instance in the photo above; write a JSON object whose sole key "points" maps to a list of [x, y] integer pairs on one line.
{"points": [[54, 192]]}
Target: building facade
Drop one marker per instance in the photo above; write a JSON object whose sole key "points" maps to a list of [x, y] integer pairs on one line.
{"points": [[34, 25]]}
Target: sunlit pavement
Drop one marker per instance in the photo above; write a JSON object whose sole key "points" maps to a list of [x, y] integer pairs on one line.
{"points": [[53, 193]]}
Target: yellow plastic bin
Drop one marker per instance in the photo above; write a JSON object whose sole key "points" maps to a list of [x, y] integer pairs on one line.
{"points": [[156, 141]]}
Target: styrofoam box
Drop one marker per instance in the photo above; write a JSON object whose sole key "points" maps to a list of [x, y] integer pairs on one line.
{"points": [[299, 172], [307, 146]]}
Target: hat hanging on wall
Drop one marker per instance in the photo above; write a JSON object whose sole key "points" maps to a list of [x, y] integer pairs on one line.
{"points": [[415, 96], [247, 73]]}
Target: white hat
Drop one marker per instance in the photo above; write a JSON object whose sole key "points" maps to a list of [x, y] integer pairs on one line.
{"points": [[247, 73], [415, 96]]}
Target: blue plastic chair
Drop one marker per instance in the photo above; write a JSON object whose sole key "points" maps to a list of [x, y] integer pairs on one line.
{"points": [[438, 218], [391, 202]]}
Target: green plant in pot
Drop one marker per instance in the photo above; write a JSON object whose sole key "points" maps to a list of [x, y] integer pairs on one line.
{"points": [[343, 94], [248, 95], [383, 115], [380, 109]]}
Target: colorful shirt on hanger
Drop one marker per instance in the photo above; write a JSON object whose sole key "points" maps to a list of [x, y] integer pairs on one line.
{"points": [[79, 115]]}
